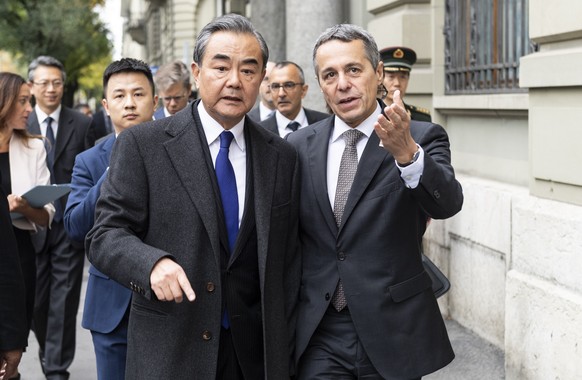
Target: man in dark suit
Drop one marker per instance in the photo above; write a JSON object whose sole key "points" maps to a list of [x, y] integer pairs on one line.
{"points": [[59, 260], [288, 89], [129, 99], [101, 124], [173, 85], [398, 61], [266, 107], [369, 182], [204, 205], [13, 329]]}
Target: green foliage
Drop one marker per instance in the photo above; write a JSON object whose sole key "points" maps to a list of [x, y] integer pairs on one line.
{"points": [[69, 30]]}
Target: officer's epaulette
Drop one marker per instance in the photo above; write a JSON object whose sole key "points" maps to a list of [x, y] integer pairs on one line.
{"points": [[419, 109]]}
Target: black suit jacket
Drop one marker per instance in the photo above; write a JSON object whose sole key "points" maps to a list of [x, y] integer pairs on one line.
{"points": [[376, 250], [13, 326], [160, 199], [101, 124], [313, 116], [75, 134]]}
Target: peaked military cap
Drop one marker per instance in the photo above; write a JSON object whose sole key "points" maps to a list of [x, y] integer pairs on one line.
{"points": [[398, 58]]}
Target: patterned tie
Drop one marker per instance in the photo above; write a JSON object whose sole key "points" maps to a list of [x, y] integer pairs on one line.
{"points": [[347, 172], [293, 126], [229, 197]]}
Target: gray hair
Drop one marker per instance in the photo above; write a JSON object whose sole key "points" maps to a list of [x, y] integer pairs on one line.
{"points": [[348, 33], [45, 60], [281, 64], [172, 73], [228, 23]]}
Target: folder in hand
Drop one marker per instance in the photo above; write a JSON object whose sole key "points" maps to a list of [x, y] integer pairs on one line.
{"points": [[40, 195]]}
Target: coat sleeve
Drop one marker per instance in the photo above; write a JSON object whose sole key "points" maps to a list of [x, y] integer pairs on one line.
{"points": [[115, 244], [80, 212], [439, 193]]}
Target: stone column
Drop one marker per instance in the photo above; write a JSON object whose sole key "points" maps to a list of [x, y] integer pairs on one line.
{"points": [[268, 16], [305, 21]]}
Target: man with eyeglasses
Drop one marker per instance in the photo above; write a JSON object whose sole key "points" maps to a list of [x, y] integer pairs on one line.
{"points": [[59, 259], [288, 88], [173, 84]]}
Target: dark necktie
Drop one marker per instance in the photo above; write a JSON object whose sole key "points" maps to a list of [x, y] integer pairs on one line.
{"points": [[229, 197], [293, 126], [50, 145], [227, 185], [347, 172], [50, 160]]}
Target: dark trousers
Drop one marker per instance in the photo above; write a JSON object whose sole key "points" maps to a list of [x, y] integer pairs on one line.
{"points": [[27, 257], [111, 351], [335, 351], [227, 366], [58, 288]]}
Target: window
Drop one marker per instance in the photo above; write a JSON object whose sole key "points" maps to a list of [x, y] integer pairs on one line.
{"points": [[484, 40]]}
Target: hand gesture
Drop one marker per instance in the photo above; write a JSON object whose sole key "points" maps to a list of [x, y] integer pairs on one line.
{"points": [[393, 129], [169, 282]]}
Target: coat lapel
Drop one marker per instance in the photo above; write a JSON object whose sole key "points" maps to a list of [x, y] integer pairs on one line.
{"points": [[370, 162], [318, 144], [186, 152], [264, 161], [65, 131]]}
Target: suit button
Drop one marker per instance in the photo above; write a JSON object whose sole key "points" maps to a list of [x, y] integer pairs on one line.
{"points": [[210, 287], [436, 194], [327, 296], [341, 256], [206, 335]]}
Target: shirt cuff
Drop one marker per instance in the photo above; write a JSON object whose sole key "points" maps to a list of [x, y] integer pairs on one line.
{"points": [[411, 174]]}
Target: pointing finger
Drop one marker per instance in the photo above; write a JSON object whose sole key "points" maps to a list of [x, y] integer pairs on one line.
{"points": [[186, 287]]}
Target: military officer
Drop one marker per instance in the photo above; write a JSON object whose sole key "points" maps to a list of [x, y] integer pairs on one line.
{"points": [[398, 61]]}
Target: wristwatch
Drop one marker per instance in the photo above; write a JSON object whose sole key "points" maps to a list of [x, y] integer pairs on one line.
{"points": [[414, 158]]}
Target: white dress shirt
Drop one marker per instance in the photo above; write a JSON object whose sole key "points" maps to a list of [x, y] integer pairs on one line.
{"points": [[282, 122], [41, 116], [236, 154]]}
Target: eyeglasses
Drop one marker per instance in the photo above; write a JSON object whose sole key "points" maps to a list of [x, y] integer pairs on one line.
{"points": [[287, 86], [169, 99], [46, 83]]}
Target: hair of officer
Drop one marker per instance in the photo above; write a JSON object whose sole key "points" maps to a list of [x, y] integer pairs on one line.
{"points": [[128, 65], [228, 23], [348, 33], [281, 64], [172, 73], [45, 60]]}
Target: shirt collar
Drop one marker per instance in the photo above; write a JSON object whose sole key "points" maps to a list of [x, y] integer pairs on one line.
{"points": [[366, 127], [41, 116], [212, 129], [301, 118]]}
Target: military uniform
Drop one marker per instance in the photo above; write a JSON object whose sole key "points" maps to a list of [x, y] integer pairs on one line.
{"points": [[399, 58], [418, 113]]}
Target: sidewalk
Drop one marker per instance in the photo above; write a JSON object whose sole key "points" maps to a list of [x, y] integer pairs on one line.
{"points": [[475, 358]]}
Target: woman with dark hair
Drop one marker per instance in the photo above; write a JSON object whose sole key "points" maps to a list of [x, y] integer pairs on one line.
{"points": [[23, 166]]}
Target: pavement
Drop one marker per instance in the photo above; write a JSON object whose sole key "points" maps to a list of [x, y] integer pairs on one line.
{"points": [[476, 359]]}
